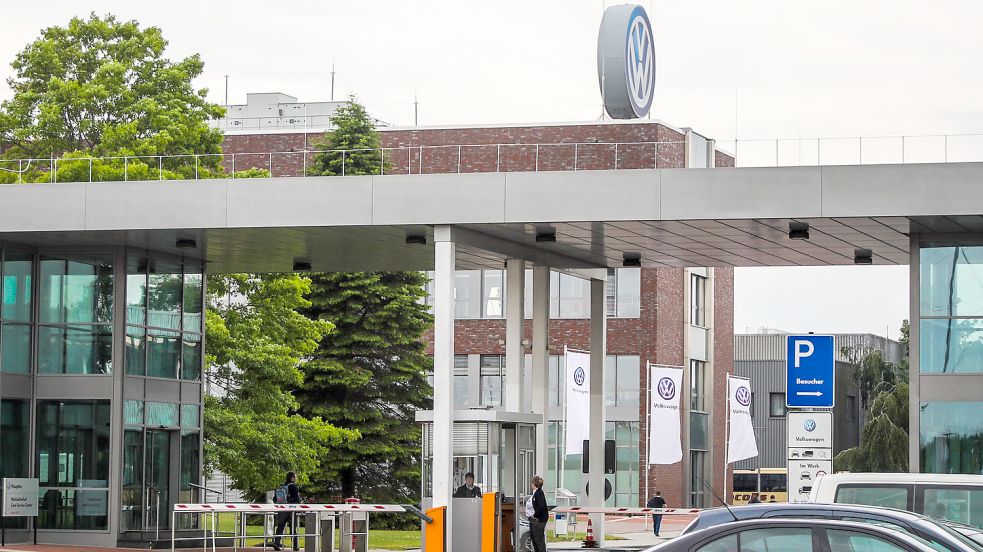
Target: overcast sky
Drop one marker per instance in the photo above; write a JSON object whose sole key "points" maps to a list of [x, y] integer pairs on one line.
{"points": [[745, 68]]}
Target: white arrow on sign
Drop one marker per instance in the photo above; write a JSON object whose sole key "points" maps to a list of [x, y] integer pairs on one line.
{"points": [[809, 393]]}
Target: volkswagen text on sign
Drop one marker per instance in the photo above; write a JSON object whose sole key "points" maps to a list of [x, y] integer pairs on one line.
{"points": [[626, 62], [810, 362]]}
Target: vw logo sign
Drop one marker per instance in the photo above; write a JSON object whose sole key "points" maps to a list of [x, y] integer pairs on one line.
{"points": [[578, 376], [667, 388], [743, 396], [809, 425], [626, 62], [640, 56]]}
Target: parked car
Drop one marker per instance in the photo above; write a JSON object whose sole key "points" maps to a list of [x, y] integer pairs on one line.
{"points": [[951, 497], [943, 537], [796, 535]]}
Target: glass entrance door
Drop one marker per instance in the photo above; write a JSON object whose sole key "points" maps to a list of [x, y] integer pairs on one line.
{"points": [[157, 479]]}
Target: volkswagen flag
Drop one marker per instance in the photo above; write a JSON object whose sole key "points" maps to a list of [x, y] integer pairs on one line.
{"points": [[578, 400], [665, 441], [741, 443]]}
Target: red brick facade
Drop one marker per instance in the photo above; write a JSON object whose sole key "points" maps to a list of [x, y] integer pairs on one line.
{"points": [[656, 336]]}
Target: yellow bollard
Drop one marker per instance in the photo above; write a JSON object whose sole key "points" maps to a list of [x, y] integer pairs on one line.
{"points": [[435, 536], [490, 526]]}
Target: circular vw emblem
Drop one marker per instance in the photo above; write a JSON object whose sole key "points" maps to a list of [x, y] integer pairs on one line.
{"points": [[809, 425], [578, 376], [640, 61], [667, 389], [743, 396]]}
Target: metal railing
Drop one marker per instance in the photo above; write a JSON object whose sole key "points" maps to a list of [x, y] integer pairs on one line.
{"points": [[458, 158], [497, 158]]}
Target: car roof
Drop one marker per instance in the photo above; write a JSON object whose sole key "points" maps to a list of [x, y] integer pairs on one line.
{"points": [[695, 537], [749, 511], [902, 478]]}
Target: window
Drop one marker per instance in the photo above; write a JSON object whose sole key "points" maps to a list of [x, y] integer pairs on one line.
{"points": [[723, 544], [462, 385], [467, 294], [951, 281], [851, 541], [557, 380], [491, 379], [698, 300], [573, 298], [72, 464], [697, 479], [776, 405], [493, 293], [76, 296], [777, 539], [851, 408], [629, 293], [697, 385], [565, 471], [959, 503], [15, 312], [751, 406], [164, 302], [621, 380], [886, 496], [951, 441]]}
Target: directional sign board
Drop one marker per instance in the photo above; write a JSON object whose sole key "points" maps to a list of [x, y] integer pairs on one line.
{"points": [[810, 451], [810, 374]]}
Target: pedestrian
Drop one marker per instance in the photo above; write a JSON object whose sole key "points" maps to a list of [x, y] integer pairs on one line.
{"points": [[288, 493], [538, 515], [656, 502], [754, 499], [469, 489]]}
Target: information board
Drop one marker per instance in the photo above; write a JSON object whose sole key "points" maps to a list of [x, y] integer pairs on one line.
{"points": [[20, 497]]}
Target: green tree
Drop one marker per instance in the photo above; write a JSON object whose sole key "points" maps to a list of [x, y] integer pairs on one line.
{"points": [[353, 148], [884, 397], [256, 341], [370, 375], [104, 87]]}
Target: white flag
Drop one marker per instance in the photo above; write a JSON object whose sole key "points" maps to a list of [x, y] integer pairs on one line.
{"points": [[741, 443], [578, 401], [665, 439]]}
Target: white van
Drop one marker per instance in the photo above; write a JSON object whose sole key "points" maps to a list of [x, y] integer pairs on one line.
{"points": [[956, 498]]}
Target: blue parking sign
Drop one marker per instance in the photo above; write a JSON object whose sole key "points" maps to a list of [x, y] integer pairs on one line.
{"points": [[810, 371]]}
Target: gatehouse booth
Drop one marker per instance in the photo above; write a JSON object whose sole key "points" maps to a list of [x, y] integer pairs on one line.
{"points": [[499, 448]]}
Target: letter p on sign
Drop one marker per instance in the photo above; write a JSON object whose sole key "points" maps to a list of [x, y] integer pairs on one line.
{"points": [[803, 349]]}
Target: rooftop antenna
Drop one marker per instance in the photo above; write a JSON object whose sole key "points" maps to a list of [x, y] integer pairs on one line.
{"points": [[226, 90], [715, 495], [332, 79], [416, 110]]}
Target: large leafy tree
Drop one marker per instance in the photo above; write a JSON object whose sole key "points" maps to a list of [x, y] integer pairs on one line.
{"points": [[105, 87], [256, 341], [101, 87], [884, 397], [370, 375]]}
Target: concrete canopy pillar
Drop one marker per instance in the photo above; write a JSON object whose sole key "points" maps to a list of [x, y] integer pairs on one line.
{"points": [[541, 359], [515, 278], [443, 370], [598, 343]]}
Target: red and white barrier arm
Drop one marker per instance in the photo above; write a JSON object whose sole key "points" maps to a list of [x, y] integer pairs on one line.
{"points": [[627, 511], [277, 508]]}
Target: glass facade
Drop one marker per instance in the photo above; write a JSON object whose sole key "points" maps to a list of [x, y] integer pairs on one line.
{"points": [[57, 314], [72, 464], [480, 294], [624, 482], [164, 319], [951, 438]]}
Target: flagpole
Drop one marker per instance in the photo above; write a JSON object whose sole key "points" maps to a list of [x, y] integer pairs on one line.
{"points": [[726, 436], [648, 428], [563, 467]]}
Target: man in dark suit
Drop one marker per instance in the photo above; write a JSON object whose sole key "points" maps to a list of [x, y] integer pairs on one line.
{"points": [[469, 489]]}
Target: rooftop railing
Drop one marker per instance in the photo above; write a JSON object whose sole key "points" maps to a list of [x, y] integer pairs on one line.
{"points": [[497, 158]]}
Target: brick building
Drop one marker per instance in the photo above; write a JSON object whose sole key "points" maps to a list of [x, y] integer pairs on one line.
{"points": [[672, 316]]}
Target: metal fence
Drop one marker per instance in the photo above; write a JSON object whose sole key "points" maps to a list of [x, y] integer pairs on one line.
{"points": [[474, 158]]}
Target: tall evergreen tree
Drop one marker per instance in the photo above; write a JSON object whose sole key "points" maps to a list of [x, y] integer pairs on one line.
{"points": [[369, 375], [353, 148]]}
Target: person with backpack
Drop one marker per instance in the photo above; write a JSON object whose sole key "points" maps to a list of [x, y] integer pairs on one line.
{"points": [[288, 493], [656, 502]]}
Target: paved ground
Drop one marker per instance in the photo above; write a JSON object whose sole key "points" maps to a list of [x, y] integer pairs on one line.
{"points": [[636, 533]]}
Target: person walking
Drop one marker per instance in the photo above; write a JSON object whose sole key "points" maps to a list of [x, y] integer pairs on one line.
{"points": [[288, 493], [469, 489], [656, 502], [538, 515]]}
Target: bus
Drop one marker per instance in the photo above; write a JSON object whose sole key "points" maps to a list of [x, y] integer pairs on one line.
{"points": [[771, 484]]}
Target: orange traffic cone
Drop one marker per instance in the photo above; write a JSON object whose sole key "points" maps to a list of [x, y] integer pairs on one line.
{"points": [[589, 542]]}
